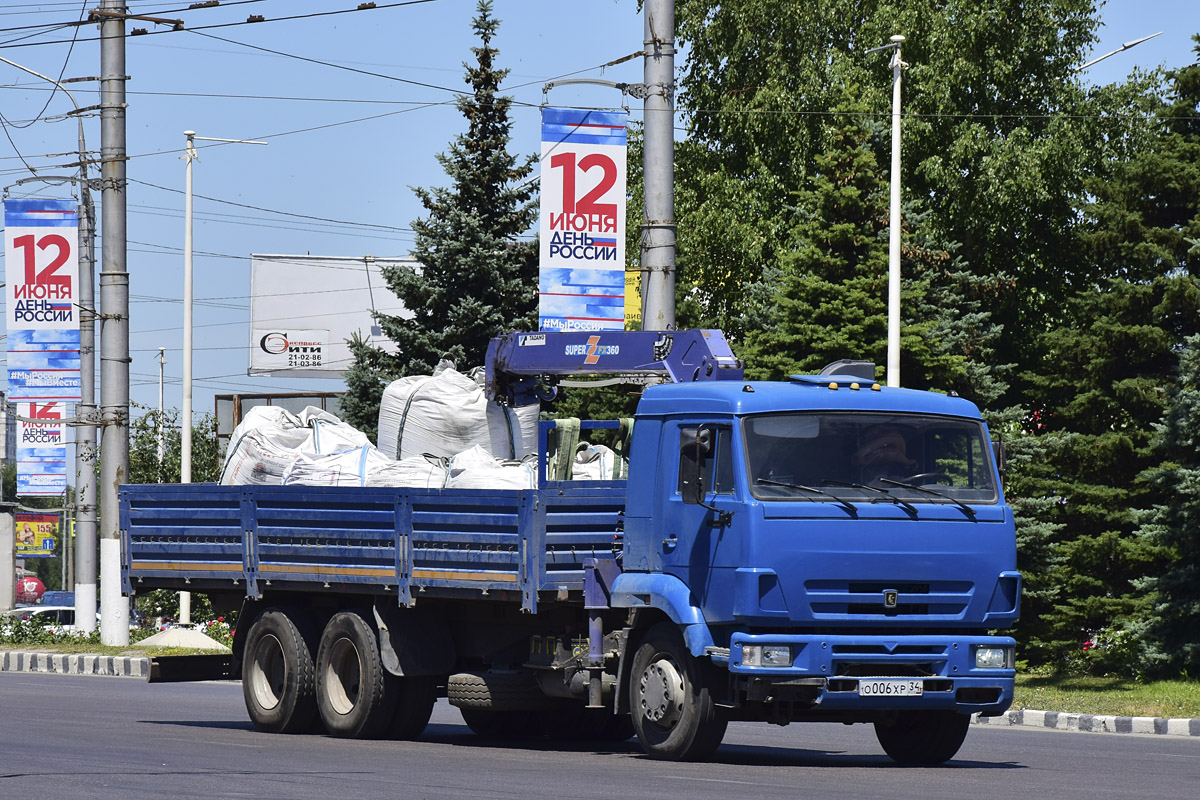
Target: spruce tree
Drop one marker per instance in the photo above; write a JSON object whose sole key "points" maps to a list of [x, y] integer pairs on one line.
{"points": [[1169, 630], [477, 276], [1101, 389]]}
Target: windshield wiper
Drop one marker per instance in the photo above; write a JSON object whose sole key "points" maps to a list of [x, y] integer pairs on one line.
{"points": [[850, 508], [966, 509], [907, 506]]}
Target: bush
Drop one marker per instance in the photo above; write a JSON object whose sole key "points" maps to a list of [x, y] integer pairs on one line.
{"points": [[1109, 653]]}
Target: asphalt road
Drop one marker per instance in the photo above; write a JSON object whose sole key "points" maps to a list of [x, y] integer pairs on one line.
{"points": [[88, 737]]}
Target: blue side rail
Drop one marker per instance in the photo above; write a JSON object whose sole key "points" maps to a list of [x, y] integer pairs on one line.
{"points": [[406, 542]]}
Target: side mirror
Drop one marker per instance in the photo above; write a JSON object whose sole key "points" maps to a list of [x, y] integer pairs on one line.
{"points": [[694, 447], [999, 455]]}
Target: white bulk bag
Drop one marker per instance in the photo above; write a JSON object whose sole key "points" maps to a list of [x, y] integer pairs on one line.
{"points": [[477, 469], [269, 438], [446, 413], [344, 468], [262, 446], [593, 462], [418, 472]]}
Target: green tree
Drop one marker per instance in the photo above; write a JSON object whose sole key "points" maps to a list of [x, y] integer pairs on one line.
{"points": [[998, 137], [144, 464], [1100, 389], [1169, 628], [477, 276]]}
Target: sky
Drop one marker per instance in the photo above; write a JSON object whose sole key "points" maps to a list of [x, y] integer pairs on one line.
{"points": [[355, 107]]}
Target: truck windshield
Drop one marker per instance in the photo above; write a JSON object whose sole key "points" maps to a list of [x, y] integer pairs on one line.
{"points": [[920, 459]]}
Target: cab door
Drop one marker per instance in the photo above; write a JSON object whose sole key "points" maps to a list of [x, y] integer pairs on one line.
{"points": [[701, 544]]}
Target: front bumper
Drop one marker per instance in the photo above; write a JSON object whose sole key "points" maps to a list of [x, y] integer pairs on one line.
{"points": [[827, 671]]}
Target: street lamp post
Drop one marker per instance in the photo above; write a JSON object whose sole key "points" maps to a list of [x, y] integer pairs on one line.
{"points": [[893, 313], [185, 455], [162, 360]]}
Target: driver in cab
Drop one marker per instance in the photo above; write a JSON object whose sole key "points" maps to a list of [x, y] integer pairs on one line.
{"points": [[883, 453]]}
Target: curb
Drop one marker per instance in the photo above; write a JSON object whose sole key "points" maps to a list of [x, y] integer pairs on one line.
{"points": [[1092, 723], [75, 664]]}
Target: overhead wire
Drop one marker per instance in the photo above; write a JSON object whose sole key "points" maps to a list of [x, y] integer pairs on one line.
{"points": [[251, 21]]}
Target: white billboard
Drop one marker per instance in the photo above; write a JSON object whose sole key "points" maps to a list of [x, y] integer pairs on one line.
{"points": [[303, 309]]}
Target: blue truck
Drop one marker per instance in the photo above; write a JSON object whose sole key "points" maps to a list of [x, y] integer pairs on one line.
{"points": [[820, 549]]}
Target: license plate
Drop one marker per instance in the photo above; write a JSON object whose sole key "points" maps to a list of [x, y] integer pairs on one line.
{"points": [[891, 688]]}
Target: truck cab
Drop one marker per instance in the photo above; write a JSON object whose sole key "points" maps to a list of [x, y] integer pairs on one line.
{"points": [[841, 549]]}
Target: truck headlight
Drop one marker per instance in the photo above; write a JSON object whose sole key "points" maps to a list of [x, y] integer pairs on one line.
{"points": [[993, 658], [766, 655]]}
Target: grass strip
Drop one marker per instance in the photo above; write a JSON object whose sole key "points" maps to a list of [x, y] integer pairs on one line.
{"points": [[1115, 696]]}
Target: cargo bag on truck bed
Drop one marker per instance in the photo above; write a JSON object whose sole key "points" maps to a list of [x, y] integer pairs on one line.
{"points": [[447, 413]]}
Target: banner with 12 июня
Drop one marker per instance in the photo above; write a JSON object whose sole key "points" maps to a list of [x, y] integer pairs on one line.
{"points": [[42, 319], [42, 312], [581, 284]]}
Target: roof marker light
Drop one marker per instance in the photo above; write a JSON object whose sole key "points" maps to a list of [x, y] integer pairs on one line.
{"points": [[854, 386], [875, 387], [833, 386]]}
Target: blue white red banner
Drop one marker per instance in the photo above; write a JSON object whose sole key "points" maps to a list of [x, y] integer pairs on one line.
{"points": [[581, 285], [41, 287], [41, 448]]}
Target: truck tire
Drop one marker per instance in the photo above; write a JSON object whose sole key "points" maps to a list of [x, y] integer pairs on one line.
{"points": [[354, 696], [673, 711], [923, 737], [278, 673], [496, 691], [415, 697]]}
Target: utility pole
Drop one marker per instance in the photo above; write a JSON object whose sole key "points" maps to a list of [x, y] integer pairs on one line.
{"points": [[84, 574], [658, 164], [114, 315]]}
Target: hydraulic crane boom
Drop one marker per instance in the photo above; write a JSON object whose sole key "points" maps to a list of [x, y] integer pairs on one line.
{"points": [[516, 361]]}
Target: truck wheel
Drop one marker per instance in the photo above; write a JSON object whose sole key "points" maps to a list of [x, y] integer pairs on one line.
{"points": [[497, 690], [673, 712], [352, 684], [923, 737], [278, 676], [415, 697]]}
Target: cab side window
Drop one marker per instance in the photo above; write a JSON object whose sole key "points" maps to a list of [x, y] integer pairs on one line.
{"points": [[716, 461]]}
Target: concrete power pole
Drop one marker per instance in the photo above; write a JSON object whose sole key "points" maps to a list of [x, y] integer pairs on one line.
{"points": [[658, 227], [114, 328], [85, 435], [84, 579]]}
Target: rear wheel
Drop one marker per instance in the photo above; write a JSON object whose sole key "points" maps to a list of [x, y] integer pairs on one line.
{"points": [[278, 673], [354, 696], [923, 737], [415, 696], [673, 711]]}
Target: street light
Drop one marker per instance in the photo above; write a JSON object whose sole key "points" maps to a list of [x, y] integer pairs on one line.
{"points": [[893, 347], [185, 462], [1120, 49]]}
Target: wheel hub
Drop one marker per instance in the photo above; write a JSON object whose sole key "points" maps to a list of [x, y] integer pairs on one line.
{"points": [[662, 693]]}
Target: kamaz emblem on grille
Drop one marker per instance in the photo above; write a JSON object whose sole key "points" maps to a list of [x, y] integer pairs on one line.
{"points": [[891, 598]]}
